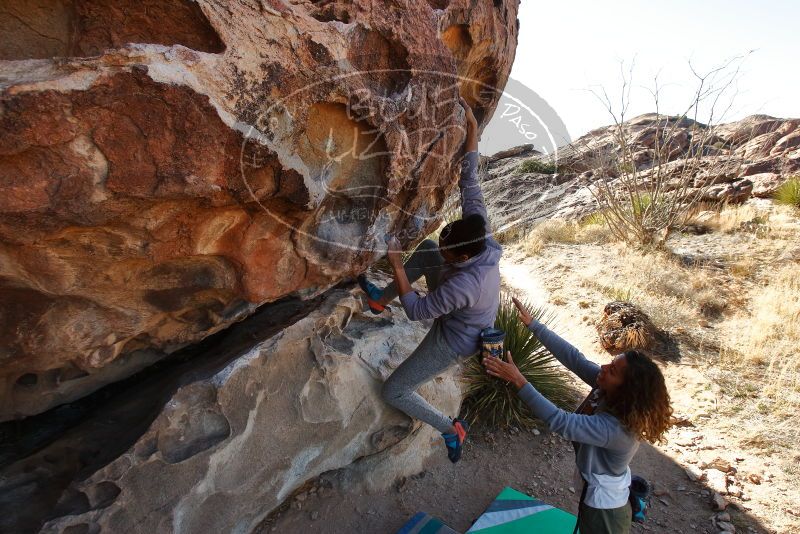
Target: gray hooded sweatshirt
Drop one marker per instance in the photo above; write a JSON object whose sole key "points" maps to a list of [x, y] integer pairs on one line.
{"points": [[469, 294], [604, 447]]}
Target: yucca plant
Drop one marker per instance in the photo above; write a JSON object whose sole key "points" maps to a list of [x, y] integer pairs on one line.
{"points": [[491, 401], [789, 193]]}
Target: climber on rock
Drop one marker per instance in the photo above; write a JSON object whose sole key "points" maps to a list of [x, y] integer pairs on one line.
{"points": [[463, 277]]}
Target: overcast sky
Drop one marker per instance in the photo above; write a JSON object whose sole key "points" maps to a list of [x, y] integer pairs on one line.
{"points": [[568, 46]]}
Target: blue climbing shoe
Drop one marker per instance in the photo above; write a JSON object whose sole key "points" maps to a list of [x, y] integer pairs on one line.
{"points": [[373, 292], [455, 442]]}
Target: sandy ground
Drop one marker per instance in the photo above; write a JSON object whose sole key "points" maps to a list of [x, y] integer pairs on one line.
{"points": [[541, 464], [566, 277]]}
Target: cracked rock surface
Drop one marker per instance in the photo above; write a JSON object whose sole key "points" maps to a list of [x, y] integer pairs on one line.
{"points": [[166, 167], [285, 396]]}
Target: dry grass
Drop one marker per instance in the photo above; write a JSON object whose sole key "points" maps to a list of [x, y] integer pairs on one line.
{"points": [[565, 232], [726, 219], [730, 298], [752, 238], [512, 234], [595, 233], [673, 295], [754, 306], [744, 267], [550, 231], [766, 340], [783, 224], [680, 296]]}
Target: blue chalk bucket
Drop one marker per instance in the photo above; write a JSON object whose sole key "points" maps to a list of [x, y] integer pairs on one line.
{"points": [[492, 342]]}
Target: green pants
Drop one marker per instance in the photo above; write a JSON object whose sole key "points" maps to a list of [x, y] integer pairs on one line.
{"points": [[612, 521]]}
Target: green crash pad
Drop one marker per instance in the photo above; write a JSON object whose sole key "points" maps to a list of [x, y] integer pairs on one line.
{"points": [[513, 512]]}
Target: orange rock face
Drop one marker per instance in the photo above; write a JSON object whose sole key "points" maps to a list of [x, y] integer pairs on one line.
{"points": [[166, 167]]}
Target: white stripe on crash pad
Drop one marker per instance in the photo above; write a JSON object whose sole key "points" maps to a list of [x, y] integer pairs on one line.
{"points": [[492, 519]]}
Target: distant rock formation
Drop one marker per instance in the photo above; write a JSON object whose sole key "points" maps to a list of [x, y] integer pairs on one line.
{"points": [[750, 157], [168, 166]]}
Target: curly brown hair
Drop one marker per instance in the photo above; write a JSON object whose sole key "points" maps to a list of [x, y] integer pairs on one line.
{"points": [[642, 403]]}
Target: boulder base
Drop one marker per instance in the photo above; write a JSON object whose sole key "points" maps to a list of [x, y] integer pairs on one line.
{"points": [[226, 448]]}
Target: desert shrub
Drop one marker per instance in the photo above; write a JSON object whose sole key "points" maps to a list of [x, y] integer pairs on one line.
{"points": [[789, 193], [492, 402], [644, 206], [512, 234], [593, 219], [535, 165], [549, 231]]}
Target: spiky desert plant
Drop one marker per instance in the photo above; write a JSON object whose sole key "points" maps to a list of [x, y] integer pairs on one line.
{"points": [[789, 193], [491, 401]]}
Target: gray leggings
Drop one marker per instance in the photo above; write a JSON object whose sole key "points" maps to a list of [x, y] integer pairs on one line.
{"points": [[433, 355]]}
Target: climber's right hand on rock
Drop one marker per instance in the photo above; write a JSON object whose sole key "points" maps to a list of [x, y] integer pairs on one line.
{"points": [[471, 140], [472, 122], [395, 252]]}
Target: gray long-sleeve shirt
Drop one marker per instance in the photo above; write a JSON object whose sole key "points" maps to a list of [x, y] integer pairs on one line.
{"points": [[604, 447], [469, 294]]}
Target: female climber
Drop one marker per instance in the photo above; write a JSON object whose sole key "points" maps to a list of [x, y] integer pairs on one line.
{"points": [[463, 278], [629, 403]]}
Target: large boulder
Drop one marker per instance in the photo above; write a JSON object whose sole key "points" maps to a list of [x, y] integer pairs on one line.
{"points": [[225, 448], [168, 166], [765, 184]]}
